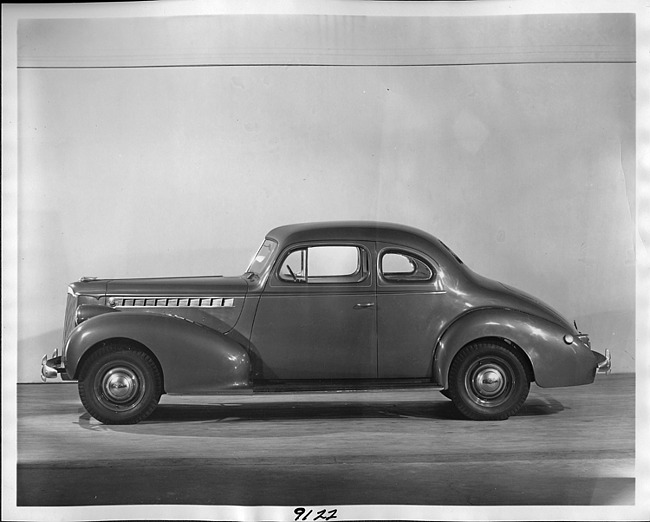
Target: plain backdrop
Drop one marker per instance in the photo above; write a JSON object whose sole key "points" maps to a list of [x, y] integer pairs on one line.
{"points": [[169, 146]]}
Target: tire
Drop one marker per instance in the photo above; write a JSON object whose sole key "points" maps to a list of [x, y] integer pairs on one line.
{"points": [[488, 381], [119, 384]]}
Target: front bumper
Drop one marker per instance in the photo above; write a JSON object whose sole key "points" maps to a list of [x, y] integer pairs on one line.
{"points": [[52, 367], [603, 362]]}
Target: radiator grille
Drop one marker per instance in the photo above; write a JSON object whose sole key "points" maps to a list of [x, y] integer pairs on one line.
{"points": [[70, 309]]}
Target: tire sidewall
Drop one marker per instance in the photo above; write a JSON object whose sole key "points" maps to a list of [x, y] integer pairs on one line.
{"points": [[121, 359], [484, 354]]}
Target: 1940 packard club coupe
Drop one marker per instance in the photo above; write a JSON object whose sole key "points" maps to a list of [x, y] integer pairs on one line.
{"points": [[322, 306]]}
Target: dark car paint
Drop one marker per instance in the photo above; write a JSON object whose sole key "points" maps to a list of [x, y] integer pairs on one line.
{"points": [[194, 359], [179, 286], [265, 329]]}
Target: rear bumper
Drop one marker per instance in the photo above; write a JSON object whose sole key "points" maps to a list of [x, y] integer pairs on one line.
{"points": [[603, 362], [52, 367]]}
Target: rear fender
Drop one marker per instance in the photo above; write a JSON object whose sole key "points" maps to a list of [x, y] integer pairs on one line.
{"points": [[553, 362], [193, 358]]}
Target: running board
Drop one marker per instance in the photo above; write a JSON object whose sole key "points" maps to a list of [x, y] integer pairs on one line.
{"points": [[345, 386]]}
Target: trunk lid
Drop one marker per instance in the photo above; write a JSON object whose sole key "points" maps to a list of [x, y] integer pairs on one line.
{"points": [[508, 296]]}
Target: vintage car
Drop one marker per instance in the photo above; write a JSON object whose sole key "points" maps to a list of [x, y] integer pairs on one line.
{"points": [[322, 306]]}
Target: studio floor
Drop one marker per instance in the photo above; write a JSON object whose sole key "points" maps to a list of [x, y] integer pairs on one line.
{"points": [[567, 446]]}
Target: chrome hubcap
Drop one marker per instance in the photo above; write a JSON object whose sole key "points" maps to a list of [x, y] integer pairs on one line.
{"points": [[489, 382], [120, 385]]}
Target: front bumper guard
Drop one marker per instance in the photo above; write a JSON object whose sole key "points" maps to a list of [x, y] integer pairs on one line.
{"points": [[603, 362], [52, 367]]}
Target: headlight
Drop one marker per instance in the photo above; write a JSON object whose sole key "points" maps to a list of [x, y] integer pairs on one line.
{"points": [[85, 312]]}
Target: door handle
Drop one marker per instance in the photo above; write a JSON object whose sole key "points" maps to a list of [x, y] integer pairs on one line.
{"points": [[359, 306]]}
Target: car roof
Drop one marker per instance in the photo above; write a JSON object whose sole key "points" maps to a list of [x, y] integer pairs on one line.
{"points": [[354, 230]]}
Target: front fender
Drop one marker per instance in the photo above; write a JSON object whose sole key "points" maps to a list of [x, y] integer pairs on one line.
{"points": [[193, 358], [554, 362]]}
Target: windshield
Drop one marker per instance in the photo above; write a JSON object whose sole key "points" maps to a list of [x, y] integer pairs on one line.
{"points": [[261, 260]]}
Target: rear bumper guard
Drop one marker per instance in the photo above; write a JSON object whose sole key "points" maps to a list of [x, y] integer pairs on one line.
{"points": [[603, 362]]}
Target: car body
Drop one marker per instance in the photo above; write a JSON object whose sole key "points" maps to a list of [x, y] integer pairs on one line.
{"points": [[322, 306]]}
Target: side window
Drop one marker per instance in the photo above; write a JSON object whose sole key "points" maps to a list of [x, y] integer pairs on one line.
{"points": [[403, 267], [324, 264]]}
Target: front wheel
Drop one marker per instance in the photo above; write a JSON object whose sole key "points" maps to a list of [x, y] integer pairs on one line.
{"points": [[120, 385], [488, 381]]}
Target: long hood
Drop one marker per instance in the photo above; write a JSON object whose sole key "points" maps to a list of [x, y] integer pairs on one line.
{"points": [[500, 294], [178, 286]]}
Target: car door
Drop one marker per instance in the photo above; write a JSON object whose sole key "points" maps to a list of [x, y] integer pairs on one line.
{"points": [[409, 300], [316, 318]]}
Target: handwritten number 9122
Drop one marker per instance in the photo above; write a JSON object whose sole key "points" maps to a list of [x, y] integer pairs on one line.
{"points": [[302, 514]]}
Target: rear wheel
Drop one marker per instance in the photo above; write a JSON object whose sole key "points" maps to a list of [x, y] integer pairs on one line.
{"points": [[488, 381], [119, 384]]}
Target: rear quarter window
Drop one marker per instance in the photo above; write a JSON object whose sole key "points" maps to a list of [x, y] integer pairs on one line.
{"points": [[404, 267]]}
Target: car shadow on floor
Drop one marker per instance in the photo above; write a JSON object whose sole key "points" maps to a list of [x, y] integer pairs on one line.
{"points": [[537, 406], [281, 411], [284, 411]]}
